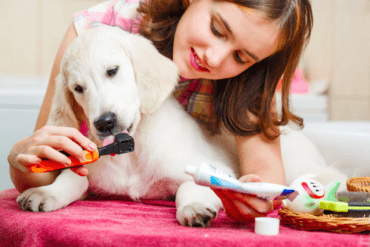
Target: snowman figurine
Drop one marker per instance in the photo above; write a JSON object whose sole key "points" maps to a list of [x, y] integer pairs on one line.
{"points": [[310, 193]]}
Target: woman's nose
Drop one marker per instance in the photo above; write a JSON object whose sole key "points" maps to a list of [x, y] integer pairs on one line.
{"points": [[215, 55]]}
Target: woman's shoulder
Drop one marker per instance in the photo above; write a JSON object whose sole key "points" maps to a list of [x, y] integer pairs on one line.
{"points": [[196, 96], [122, 13]]}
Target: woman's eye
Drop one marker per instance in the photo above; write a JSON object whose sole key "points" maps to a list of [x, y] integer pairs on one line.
{"points": [[79, 89], [238, 58], [112, 72], [215, 31]]}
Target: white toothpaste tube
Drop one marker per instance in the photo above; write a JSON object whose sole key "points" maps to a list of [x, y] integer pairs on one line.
{"points": [[207, 175]]}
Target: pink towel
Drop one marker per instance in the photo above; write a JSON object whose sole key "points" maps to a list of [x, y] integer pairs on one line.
{"points": [[113, 222]]}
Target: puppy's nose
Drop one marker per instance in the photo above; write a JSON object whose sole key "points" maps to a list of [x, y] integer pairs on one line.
{"points": [[106, 122]]}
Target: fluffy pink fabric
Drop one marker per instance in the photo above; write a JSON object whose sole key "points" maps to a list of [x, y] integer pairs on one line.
{"points": [[113, 222]]}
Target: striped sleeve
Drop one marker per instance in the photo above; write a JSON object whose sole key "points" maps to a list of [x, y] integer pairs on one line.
{"points": [[122, 13]]}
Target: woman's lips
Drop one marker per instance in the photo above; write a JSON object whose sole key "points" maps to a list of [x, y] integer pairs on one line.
{"points": [[196, 62]]}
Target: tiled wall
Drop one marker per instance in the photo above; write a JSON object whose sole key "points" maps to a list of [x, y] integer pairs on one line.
{"points": [[31, 31]]}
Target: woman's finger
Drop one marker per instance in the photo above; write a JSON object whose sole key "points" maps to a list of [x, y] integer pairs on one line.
{"points": [[246, 212], [259, 205], [27, 159], [65, 144], [230, 208], [235, 209], [50, 153], [250, 178], [80, 170], [24, 160], [72, 134]]}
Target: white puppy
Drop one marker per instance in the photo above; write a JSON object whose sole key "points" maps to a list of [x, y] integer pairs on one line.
{"points": [[123, 83]]}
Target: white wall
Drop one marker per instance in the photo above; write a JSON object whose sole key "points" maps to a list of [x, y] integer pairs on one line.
{"points": [[20, 101]]}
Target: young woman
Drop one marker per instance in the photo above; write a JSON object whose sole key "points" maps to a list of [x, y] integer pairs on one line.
{"points": [[230, 54]]}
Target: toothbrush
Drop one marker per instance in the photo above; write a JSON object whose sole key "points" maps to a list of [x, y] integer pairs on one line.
{"points": [[345, 207], [123, 143]]}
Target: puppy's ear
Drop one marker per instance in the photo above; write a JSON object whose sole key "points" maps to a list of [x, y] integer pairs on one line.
{"points": [[63, 104], [156, 75]]}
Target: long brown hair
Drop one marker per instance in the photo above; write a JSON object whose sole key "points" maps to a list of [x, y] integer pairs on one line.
{"points": [[252, 91]]}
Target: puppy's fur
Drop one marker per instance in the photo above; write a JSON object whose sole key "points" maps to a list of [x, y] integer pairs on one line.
{"points": [[166, 138]]}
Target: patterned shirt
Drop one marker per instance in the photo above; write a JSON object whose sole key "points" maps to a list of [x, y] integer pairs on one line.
{"points": [[196, 95]]}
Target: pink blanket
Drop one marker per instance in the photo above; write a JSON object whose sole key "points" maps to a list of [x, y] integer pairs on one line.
{"points": [[113, 222]]}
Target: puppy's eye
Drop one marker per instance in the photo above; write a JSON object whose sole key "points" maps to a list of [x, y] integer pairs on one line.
{"points": [[79, 89], [112, 72]]}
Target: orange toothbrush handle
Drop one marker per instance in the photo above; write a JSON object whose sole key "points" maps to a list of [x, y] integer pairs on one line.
{"points": [[49, 165]]}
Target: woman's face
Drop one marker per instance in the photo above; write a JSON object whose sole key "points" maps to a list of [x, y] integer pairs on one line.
{"points": [[218, 40]]}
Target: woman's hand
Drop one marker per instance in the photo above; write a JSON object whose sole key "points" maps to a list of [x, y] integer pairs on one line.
{"points": [[46, 143], [242, 207]]}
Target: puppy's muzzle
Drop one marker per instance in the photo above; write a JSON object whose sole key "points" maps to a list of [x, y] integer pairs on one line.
{"points": [[106, 123]]}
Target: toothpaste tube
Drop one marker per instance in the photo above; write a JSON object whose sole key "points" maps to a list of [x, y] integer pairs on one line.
{"points": [[212, 177]]}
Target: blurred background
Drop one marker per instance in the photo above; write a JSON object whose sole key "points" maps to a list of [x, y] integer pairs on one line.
{"points": [[331, 85]]}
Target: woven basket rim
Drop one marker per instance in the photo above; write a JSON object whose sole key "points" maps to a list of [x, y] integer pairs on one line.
{"points": [[305, 221], [359, 184]]}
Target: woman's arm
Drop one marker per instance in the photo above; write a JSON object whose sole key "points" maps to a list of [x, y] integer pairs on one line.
{"points": [[260, 156], [260, 161], [29, 150], [46, 104]]}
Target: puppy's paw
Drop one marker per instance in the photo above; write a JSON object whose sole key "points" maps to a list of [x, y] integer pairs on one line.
{"points": [[37, 200], [196, 215]]}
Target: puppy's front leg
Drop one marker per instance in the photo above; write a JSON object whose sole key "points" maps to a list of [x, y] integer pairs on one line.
{"points": [[67, 188], [196, 205]]}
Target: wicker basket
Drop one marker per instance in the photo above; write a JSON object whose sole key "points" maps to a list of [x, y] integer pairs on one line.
{"points": [[332, 222], [324, 222], [359, 184]]}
